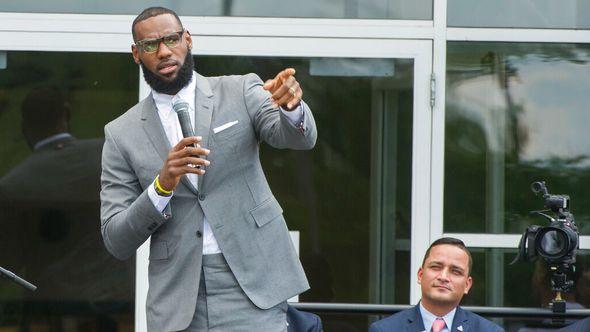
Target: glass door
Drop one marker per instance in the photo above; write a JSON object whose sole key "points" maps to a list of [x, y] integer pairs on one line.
{"points": [[359, 201]]}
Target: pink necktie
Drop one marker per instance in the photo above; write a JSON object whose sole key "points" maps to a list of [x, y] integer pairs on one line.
{"points": [[438, 325]]}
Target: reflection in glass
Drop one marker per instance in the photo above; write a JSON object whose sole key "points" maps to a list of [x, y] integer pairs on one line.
{"points": [[350, 196], [530, 285], [367, 9], [52, 110], [553, 243], [566, 14], [516, 113]]}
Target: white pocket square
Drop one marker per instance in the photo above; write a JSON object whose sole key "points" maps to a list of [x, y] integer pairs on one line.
{"points": [[224, 126]]}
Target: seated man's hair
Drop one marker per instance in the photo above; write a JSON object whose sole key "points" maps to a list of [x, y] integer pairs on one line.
{"points": [[453, 242]]}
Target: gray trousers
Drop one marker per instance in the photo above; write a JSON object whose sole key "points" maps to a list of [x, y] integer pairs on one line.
{"points": [[222, 305]]}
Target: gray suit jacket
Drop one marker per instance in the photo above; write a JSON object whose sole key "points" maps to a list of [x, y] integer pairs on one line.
{"points": [[246, 219]]}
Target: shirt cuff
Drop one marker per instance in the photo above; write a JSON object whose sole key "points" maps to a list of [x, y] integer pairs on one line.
{"points": [[295, 116], [159, 202]]}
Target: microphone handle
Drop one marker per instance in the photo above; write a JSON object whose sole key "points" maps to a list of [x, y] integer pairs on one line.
{"points": [[186, 127], [185, 123]]}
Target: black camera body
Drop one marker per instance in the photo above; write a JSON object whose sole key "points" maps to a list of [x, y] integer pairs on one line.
{"points": [[556, 243]]}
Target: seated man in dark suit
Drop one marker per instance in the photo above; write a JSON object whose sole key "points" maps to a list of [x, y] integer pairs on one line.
{"points": [[580, 326], [444, 278], [301, 321]]}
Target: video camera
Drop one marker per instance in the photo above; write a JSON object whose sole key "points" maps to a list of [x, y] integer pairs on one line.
{"points": [[557, 243]]}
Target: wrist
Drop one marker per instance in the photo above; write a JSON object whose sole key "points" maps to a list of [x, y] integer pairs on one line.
{"points": [[160, 190]]}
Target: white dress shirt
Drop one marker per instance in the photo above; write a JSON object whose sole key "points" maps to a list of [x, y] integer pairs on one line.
{"points": [[428, 319], [173, 132]]}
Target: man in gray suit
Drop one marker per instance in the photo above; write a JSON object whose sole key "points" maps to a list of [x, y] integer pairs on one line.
{"points": [[221, 258]]}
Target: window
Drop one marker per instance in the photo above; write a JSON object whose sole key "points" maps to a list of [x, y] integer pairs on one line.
{"points": [[515, 113], [372, 9], [349, 197], [565, 14], [53, 107]]}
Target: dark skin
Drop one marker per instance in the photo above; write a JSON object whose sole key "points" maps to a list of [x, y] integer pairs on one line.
{"points": [[166, 63]]}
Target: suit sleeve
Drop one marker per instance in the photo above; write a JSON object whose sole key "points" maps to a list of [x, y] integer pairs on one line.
{"points": [[271, 125], [128, 216]]}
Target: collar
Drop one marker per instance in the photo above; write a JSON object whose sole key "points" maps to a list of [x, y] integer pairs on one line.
{"points": [[51, 139], [429, 318], [164, 102]]}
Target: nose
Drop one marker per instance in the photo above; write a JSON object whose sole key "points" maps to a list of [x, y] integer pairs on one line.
{"points": [[444, 274], [163, 50]]}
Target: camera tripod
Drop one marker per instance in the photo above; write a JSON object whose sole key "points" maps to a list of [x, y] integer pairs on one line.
{"points": [[560, 284]]}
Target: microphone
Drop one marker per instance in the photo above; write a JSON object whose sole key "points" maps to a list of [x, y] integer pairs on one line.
{"points": [[4, 272], [181, 109]]}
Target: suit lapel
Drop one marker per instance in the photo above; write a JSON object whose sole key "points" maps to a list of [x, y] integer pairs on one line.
{"points": [[460, 322], [203, 114], [155, 132], [153, 127], [415, 323]]}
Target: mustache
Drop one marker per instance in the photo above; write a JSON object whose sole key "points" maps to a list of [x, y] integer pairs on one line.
{"points": [[444, 285]]}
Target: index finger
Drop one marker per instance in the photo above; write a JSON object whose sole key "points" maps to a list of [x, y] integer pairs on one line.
{"points": [[286, 73], [186, 142]]}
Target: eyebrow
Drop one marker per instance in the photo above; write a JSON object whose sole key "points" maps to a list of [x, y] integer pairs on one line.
{"points": [[458, 268], [452, 266], [174, 33]]}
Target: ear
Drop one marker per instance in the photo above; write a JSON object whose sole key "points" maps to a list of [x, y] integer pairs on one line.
{"points": [[135, 53], [420, 273], [468, 284], [189, 40]]}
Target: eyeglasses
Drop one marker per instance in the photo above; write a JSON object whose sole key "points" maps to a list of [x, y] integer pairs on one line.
{"points": [[151, 45]]}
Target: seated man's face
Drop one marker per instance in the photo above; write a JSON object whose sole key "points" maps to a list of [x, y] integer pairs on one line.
{"points": [[444, 278]]}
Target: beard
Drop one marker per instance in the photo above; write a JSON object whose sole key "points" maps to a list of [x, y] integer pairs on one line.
{"points": [[170, 88]]}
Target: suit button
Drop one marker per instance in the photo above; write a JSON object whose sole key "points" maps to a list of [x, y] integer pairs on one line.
{"points": [[199, 234], [202, 197]]}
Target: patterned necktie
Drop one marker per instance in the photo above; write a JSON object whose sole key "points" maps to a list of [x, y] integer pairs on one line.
{"points": [[438, 325]]}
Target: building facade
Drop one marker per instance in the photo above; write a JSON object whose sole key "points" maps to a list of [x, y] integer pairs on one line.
{"points": [[434, 118]]}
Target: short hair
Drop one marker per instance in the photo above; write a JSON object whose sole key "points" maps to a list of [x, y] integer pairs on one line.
{"points": [[44, 107], [151, 12], [453, 242]]}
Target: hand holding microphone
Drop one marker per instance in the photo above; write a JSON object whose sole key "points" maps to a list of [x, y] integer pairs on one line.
{"points": [[185, 153]]}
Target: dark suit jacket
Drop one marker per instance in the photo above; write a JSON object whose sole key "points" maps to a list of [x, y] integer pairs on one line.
{"points": [[581, 326], [301, 321], [410, 320], [49, 215]]}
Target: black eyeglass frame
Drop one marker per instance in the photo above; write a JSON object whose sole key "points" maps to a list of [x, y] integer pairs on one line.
{"points": [[141, 43]]}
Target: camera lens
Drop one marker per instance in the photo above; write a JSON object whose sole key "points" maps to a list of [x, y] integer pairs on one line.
{"points": [[553, 243]]}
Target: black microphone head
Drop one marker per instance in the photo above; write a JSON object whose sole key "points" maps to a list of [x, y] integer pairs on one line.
{"points": [[180, 106], [181, 109]]}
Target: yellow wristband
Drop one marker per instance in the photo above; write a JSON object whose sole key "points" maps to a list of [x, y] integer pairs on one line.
{"points": [[159, 188]]}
